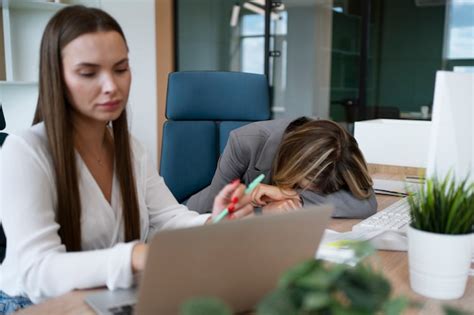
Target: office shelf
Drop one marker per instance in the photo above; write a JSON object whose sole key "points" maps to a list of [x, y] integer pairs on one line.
{"points": [[35, 5], [22, 23], [18, 83]]}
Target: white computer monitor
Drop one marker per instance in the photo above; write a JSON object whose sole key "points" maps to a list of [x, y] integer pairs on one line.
{"points": [[452, 135]]}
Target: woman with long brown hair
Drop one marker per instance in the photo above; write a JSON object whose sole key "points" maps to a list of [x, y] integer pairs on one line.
{"points": [[306, 161], [80, 196]]}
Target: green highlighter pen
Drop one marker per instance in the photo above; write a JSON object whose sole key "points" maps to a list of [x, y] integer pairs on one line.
{"points": [[249, 189]]}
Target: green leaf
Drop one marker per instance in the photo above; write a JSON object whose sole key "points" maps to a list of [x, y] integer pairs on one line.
{"points": [[337, 309], [316, 300], [205, 306], [298, 271], [450, 310], [365, 289], [443, 206], [395, 306], [278, 302], [320, 278]]}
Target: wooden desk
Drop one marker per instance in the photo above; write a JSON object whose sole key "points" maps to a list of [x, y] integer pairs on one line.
{"points": [[393, 264]]}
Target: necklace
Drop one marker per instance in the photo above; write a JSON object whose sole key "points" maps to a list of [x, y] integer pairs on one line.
{"points": [[89, 153], [101, 158], [93, 156], [99, 161]]}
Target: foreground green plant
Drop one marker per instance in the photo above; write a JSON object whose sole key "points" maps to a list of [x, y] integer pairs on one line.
{"points": [[205, 306], [444, 207], [316, 287]]}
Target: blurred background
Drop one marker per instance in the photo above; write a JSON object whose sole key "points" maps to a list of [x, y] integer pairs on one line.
{"points": [[347, 60]]}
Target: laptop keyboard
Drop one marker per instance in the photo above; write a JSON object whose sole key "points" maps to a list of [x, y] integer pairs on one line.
{"points": [[122, 309]]}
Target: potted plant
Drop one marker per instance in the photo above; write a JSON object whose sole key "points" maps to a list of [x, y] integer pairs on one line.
{"points": [[440, 237]]}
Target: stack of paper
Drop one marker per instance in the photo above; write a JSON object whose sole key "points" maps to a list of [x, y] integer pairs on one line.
{"points": [[332, 245]]}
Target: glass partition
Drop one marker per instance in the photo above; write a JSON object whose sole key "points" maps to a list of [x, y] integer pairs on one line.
{"points": [[459, 36], [222, 35], [346, 60]]}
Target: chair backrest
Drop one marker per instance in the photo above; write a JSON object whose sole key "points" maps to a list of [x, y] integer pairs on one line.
{"points": [[202, 109]]}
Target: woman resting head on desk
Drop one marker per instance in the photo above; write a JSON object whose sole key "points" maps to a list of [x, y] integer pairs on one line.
{"points": [[80, 195], [306, 162]]}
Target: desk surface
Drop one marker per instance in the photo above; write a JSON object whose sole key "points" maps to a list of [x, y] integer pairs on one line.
{"points": [[393, 264]]}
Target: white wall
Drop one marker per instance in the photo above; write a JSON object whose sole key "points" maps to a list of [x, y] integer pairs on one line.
{"points": [[18, 104], [137, 18]]}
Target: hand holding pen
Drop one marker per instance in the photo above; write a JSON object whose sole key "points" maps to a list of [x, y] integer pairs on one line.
{"points": [[238, 205]]}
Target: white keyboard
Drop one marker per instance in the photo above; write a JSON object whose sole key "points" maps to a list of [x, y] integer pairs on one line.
{"points": [[395, 217]]}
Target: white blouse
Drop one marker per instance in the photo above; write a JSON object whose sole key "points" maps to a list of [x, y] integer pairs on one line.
{"points": [[36, 263]]}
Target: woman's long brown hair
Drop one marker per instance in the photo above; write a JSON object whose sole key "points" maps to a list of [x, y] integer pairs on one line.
{"points": [[325, 155], [54, 109]]}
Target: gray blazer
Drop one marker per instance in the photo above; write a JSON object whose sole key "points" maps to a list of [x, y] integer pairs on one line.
{"points": [[250, 151]]}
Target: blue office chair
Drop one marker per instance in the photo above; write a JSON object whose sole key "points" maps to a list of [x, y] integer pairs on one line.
{"points": [[202, 109], [3, 240]]}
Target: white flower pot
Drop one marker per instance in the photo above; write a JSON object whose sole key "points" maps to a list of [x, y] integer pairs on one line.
{"points": [[439, 263]]}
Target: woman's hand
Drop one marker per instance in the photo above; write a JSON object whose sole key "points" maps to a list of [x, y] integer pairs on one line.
{"points": [[282, 206], [264, 194], [139, 255], [233, 198]]}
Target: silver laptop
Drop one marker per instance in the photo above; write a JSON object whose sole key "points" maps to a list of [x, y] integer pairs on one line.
{"points": [[238, 262]]}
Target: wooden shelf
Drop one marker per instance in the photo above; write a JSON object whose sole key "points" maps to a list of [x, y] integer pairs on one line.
{"points": [[18, 83], [35, 5]]}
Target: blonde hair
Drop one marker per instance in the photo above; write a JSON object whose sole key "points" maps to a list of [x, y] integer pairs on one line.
{"points": [[325, 155]]}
